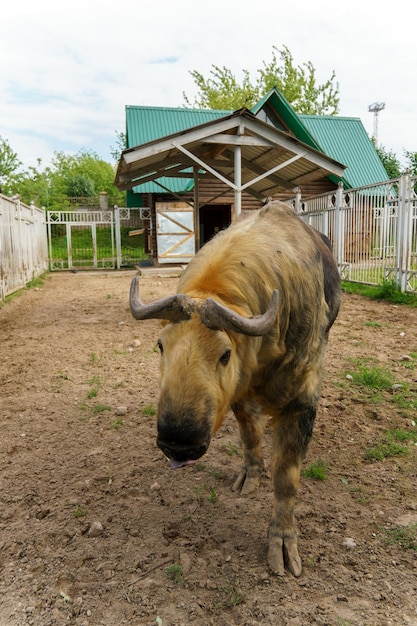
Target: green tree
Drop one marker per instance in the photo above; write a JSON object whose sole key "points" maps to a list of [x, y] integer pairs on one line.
{"points": [[9, 166], [80, 185], [222, 90], [411, 161], [389, 161], [82, 174], [121, 144], [85, 164]]}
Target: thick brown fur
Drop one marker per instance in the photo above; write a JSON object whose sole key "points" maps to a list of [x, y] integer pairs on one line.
{"points": [[204, 373]]}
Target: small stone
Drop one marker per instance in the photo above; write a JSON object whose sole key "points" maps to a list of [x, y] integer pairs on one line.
{"points": [[135, 343], [120, 410], [155, 486], [396, 386], [349, 542], [349, 377], [185, 562], [96, 529], [406, 357]]}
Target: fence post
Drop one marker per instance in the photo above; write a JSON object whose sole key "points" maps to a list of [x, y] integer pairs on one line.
{"points": [[297, 206], [116, 217], [403, 231], [339, 243]]}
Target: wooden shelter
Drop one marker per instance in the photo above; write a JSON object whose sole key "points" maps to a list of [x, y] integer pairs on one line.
{"points": [[234, 163]]}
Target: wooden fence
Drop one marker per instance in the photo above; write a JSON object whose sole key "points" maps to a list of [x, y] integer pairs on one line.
{"points": [[23, 244]]}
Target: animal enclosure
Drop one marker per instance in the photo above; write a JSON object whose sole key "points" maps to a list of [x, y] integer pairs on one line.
{"points": [[95, 529]]}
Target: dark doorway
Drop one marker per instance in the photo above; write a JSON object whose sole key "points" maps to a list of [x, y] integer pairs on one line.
{"points": [[213, 218]]}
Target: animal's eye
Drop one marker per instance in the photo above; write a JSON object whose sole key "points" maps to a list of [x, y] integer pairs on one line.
{"points": [[224, 359], [160, 346]]}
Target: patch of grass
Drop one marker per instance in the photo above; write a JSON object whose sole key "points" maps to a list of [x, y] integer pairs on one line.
{"points": [[80, 511], [359, 494], [212, 496], [232, 449], [94, 381], [372, 377], [200, 491], [37, 282], [385, 450], [387, 291], [92, 393], [116, 423], [403, 536], [392, 444], [343, 622], [373, 324], [398, 434], [406, 402], [412, 363], [64, 376], [316, 471], [149, 410], [218, 474], [93, 357], [100, 408], [232, 595], [176, 573]]}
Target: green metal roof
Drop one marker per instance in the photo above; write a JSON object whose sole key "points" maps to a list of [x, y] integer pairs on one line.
{"points": [[346, 140], [341, 138], [145, 124]]}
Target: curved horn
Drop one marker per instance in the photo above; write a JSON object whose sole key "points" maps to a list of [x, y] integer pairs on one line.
{"points": [[218, 317], [174, 308]]}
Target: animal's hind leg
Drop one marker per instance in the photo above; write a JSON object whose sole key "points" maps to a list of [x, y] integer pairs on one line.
{"points": [[292, 432], [251, 427]]}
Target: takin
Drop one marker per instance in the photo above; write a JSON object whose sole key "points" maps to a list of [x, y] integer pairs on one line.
{"points": [[247, 331]]}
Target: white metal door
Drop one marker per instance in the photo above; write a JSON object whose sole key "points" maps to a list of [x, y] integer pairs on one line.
{"points": [[175, 232]]}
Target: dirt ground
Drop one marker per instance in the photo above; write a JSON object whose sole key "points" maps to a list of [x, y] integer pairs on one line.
{"points": [[95, 529]]}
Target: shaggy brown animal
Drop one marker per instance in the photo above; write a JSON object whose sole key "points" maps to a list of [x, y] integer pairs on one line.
{"points": [[248, 330]]}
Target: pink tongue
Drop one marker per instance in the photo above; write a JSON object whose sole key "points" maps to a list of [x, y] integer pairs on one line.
{"points": [[177, 464]]}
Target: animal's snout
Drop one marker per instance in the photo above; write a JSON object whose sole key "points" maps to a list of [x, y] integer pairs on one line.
{"points": [[182, 441], [181, 453]]}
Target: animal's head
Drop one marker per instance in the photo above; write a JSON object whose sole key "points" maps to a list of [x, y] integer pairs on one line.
{"points": [[200, 366]]}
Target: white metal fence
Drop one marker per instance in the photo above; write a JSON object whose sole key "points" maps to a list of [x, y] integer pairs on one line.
{"points": [[98, 239], [373, 230], [23, 244]]}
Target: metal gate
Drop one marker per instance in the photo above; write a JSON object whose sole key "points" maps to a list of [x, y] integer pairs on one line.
{"points": [[93, 239]]}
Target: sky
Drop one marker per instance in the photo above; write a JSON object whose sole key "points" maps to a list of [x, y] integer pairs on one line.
{"points": [[68, 69]]}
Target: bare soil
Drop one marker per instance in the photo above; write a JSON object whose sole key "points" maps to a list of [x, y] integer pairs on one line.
{"points": [[95, 529]]}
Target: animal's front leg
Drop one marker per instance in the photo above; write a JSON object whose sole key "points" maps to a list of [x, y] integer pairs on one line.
{"points": [[251, 427], [291, 435]]}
